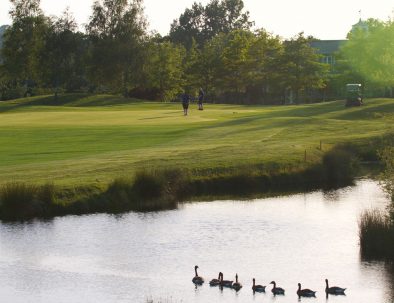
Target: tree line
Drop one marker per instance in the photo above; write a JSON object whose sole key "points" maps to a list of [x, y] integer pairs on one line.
{"points": [[213, 47]]}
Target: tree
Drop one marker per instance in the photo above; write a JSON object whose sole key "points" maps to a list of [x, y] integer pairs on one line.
{"points": [[263, 66], [203, 23], [208, 67], [301, 69], [3, 28], [370, 53], [163, 69], [24, 40], [62, 59], [117, 29], [234, 57]]}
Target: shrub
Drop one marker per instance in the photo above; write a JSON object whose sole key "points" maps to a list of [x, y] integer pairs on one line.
{"points": [[119, 195], [20, 201], [155, 190], [376, 233], [340, 166], [149, 190]]}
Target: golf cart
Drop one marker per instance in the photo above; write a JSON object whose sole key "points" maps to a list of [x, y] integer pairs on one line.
{"points": [[353, 95]]}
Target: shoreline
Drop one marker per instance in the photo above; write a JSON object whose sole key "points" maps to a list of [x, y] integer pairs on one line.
{"points": [[156, 190]]}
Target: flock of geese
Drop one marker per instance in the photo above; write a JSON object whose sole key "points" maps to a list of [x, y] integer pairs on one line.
{"points": [[198, 280]]}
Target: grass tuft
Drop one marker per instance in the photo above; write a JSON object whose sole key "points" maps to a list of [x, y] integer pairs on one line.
{"points": [[21, 201], [376, 232], [340, 165]]}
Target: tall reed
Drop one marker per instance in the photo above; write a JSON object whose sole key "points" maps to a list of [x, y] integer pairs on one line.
{"points": [[376, 232], [21, 201]]}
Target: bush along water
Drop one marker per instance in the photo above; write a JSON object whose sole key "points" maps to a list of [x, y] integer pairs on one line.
{"points": [[20, 201], [152, 190], [376, 228], [340, 166], [376, 235]]}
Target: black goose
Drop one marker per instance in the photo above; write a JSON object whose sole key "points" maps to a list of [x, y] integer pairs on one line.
{"points": [[305, 292], [197, 280], [237, 286], [334, 290], [277, 290], [225, 283], [257, 288], [215, 282]]}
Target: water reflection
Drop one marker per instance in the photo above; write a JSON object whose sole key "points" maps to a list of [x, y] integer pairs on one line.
{"points": [[136, 256], [331, 195], [390, 279]]}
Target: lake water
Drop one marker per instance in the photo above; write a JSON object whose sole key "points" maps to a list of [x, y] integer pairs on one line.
{"points": [[136, 257]]}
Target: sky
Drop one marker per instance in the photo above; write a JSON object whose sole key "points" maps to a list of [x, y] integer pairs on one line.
{"points": [[322, 19]]}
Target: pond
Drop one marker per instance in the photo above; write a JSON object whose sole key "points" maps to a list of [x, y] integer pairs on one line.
{"points": [[138, 257]]}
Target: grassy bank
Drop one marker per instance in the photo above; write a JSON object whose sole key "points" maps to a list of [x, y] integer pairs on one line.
{"points": [[163, 189], [82, 143]]}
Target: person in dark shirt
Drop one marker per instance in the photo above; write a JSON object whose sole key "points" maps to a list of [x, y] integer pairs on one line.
{"points": [[185, 103], [201, 95]]}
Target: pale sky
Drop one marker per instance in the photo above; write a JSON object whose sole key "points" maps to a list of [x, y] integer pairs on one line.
{"points": [[323, 19]]}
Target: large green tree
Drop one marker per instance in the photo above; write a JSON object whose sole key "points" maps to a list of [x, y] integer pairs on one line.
{"points": [[62, 60], [301, 70], [370, 53], [24, 40], [117, 29], [234, 57], [163, 69], [201, 23], [263, 68]]}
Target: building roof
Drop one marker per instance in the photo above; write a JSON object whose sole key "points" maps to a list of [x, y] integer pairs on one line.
{"points": [[327, 47]]}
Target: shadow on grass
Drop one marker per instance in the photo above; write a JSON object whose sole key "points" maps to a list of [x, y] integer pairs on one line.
{"points": [[367, 111], [72, 100]]}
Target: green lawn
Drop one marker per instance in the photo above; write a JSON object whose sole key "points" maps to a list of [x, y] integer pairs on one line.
{"points": [[93, 139]]}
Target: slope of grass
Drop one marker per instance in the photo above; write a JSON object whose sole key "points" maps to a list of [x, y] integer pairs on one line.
{"points": [[83, 140]]}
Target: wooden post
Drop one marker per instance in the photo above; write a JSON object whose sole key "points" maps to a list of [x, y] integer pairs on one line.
{"points": [[320, 145], [305, 156]]}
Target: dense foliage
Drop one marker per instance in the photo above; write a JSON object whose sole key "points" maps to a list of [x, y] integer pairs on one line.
{"points": [[370, 54], [377, 226], [211, 46]]}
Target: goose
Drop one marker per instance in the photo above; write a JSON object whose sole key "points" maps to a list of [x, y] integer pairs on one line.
{"points": [[197, 280], [258, 288], [225, 283], [277, 290], [237, 286], [334, 290], [305, 292], [215, 282]]}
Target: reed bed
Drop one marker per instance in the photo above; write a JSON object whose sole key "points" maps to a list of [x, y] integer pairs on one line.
{"points": [[376, 232]]}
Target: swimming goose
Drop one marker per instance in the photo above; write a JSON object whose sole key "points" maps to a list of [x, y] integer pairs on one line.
{"points": [[334, 290], [225, 283], [277, 290], [237, 286], [197, 280], [305, 292], [215, 282], [258, 288]]}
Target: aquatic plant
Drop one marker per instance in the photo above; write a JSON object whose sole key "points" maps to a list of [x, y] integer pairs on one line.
{"points": [[340, 165], [376, 232], [21, 201]]}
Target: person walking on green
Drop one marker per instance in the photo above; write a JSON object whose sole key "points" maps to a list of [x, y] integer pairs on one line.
{"points": [[185, 103], [201, 95]]}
